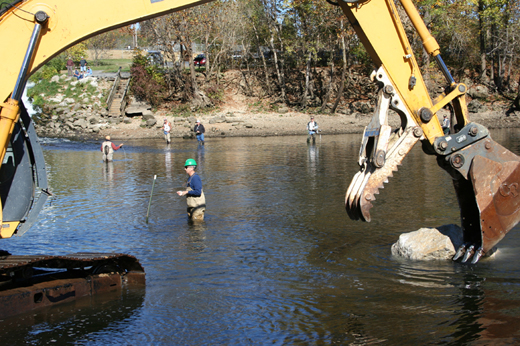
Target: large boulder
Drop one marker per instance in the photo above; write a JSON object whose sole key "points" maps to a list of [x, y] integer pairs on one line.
{"points": [[475, 107], [133, 111], [57, 98], [428, 244], [233, 120], [361, 107], [67, 101], [148, 116], [91, 80], [479, 92], [217, 120], [283, 110], [135, 103], [81, 123]]}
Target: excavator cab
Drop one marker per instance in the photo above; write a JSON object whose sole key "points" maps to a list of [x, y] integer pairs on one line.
{"points": [[23, 179]]}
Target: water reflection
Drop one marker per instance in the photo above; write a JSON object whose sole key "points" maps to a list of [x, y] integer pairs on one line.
{"points": [[277, 260], [108, 171], [196, 236], [313, 159], [168, 164], [200, 155]]}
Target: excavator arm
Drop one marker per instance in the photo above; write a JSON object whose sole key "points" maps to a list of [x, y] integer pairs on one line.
{"points": [[485, 174]]}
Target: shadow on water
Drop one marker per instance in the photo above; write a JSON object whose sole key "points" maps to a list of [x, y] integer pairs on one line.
{"points": [[82, 320], [276, 261]]}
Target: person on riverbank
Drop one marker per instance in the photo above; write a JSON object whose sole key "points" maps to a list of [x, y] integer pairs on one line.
{"points": [[312, 127], [89, 72], [108, 148], [199, 132], [167, 127], [78, 75], [446, 124], [194, 194], [82, 65], [70, 66]]}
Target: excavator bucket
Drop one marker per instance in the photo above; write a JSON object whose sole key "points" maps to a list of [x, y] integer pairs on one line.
{"points": [[486, 180]]}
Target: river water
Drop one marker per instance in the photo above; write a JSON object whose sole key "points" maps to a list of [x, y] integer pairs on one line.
{"points": [[277, 261]]}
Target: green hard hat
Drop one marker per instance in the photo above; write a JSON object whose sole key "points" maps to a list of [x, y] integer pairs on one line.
{"points": [[190, 162]]}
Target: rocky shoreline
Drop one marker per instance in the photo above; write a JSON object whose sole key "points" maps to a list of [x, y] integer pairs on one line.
{"points": [[85, 118], [230, 123]]}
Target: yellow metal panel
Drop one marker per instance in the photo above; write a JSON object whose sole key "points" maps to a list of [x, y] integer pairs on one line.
{"points": [[70, 22], [7, 229], [378, 26]]}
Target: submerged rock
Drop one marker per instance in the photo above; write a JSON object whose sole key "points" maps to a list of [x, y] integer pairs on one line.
{"points": [[428, 244]]}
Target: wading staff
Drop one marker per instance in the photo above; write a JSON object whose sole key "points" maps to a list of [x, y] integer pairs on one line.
{"points": [[150, 202]]}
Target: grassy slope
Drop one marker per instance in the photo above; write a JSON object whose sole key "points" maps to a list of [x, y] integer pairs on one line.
{"points": [[112, 65]]}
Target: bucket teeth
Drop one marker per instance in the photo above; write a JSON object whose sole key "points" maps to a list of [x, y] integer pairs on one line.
{"points": [[460, 252], [468, 254], [467, 251], [477, 255], [366, 183]]}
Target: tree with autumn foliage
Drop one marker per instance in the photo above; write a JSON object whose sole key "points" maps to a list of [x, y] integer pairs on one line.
{"points": [[147, 81], [303, 53]]}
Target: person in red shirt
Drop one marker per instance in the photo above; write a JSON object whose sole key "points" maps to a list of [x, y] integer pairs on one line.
{"points": [[108, 148], [70, 65]]}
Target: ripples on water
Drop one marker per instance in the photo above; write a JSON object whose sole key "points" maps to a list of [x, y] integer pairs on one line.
{"points": [[277, 260]]}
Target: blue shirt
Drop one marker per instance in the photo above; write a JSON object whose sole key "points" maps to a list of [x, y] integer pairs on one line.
{"points": [[196, 185]]}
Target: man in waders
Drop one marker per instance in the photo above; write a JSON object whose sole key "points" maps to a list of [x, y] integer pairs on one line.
{"points": [[194, 194], [167, 127], [199, 131], [312, 127], [108, 148]]}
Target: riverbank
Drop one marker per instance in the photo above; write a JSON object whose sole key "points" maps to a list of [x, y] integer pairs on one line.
{"points": [[74, 110], [242, 123]]}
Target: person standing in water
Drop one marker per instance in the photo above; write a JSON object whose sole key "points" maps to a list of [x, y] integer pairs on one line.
{"points": [[194, 193], [167, 127], [108, 148], [312, 127], [199, 131]]}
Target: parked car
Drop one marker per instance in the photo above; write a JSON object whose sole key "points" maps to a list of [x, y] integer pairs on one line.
{"points": [[155, 57], [236, 55], [200, 60]]}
